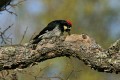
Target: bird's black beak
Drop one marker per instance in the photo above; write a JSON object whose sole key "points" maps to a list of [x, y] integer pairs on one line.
{"points": [[68, 30], [69, 33]]}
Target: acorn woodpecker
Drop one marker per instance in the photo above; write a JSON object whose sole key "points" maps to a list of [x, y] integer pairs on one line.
{"points": [[54, 28]]}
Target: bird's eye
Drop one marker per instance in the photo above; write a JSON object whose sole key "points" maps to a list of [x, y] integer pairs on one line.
{"points": [[69, 26]]}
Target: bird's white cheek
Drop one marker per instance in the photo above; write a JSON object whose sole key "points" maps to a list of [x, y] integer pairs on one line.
{"points": [[69, 28], [65, 27]]}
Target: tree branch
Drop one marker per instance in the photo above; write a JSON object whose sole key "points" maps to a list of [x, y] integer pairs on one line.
{"points": [[79, 46]]}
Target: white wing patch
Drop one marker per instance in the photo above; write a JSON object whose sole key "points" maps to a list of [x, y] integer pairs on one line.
{"points": [[54, 32]]}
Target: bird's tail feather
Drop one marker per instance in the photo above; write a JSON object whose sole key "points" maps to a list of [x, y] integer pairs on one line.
{"points": [[36, 41]]}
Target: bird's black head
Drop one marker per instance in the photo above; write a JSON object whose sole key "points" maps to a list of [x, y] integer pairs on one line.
{"points": [[64, 25]]}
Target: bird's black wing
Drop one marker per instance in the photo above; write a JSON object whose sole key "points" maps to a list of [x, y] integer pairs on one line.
{"points": [[49, 27]]}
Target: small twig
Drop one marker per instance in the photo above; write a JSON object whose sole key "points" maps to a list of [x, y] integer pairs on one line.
{"points": [[56, 77], [69, 75], [7, 28], [14, 76], [23, 35], [13, 5], [11, 12], [4, 74], [3, 37], [9, 38], [4, 4], [3, 40]]}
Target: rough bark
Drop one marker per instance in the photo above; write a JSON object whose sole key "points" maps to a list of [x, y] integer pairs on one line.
{"points": [[79, 46]]}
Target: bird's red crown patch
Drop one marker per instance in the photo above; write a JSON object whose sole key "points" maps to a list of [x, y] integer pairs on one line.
{"points": [[69, 22]]}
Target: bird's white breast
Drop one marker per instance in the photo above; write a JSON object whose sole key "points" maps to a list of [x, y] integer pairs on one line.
{"points": [[53, 33]]}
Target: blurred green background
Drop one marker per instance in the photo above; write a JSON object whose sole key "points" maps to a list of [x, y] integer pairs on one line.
{"points": [[99, 19]]}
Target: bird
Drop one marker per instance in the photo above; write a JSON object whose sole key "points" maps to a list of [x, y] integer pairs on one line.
{"points": [[54, 28]]}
